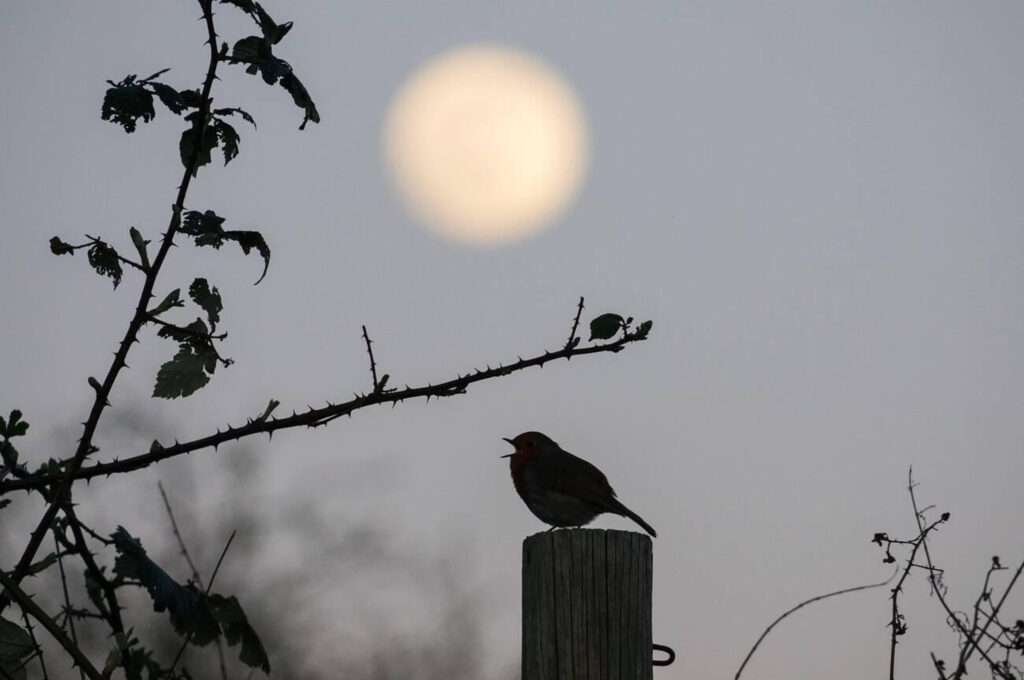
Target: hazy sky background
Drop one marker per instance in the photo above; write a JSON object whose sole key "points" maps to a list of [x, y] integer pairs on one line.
{"points": [[818, 204]]}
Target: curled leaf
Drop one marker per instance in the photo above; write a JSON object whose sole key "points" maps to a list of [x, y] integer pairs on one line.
{"points": [[104, 260], [140, 245], [58, 247]]}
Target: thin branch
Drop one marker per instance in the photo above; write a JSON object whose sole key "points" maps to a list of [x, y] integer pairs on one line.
{"points": [[373, 364], [85, 446], [220, 560], [962, 665], [188, 638], [177, 536], [896, 624], [573, 341], [801, 606], [13, 591], [196, 577], [35, 643], [112, 615], [931, 568], [321, 416], [67, 597]]}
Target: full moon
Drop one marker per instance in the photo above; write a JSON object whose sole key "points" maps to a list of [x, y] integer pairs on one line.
{"points": [[487, 145]]}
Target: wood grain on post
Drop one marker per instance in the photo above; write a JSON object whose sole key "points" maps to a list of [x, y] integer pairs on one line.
{"points": [[587, 605]]}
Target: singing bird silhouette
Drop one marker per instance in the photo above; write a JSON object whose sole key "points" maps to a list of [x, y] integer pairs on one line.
{"points": [[561, 489]]}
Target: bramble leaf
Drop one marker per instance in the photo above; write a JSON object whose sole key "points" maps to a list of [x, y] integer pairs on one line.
{"points": [[249, 240], [137, 659], [103, 259], [301, 98], [194, 614], [191, 99], [194, 335], [228, 139], [198, 223], [196, 141], [170, 97], [15, 645], [606, 326], [208, 298], [230, 111], [15, 426], [126, 102], [257, 54], [273, 32], [236, 628], [207, 229], [189, 613], [182, 375]]}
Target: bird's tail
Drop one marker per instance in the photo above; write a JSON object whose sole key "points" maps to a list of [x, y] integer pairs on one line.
{"points": [[619, 508]]}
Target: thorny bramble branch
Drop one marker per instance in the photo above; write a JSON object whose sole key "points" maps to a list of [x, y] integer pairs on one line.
{"points": [[315, 417], [85, 443]]}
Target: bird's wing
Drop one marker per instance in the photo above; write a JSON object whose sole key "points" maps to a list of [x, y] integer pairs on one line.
{"points": [[573, 476]]}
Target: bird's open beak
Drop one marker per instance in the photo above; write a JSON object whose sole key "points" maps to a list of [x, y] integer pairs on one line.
{"points": [[508, 455]]}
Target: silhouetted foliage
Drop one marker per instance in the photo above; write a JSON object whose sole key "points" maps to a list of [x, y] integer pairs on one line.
{"points": [[983, 629], [207, 229], [100, 628]]}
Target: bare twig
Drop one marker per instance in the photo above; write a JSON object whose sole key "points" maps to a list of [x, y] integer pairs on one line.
{"points": [[961, 669], [196, 577], [85, 443], [13, 591], [220, 560], [177, 536], [801, 606], [188, 638], [934, 574], [573, 341], [67, 597], [112, 612], [373, 364], [896, 621]]}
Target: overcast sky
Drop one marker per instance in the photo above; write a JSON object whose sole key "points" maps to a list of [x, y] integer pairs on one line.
{"points": [[818, 204]]}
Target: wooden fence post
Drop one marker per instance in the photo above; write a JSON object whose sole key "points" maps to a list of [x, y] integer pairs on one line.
{"points": [[587, 605]]}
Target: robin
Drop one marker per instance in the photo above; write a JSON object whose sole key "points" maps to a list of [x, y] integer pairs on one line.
{"points": [[561, 489]]}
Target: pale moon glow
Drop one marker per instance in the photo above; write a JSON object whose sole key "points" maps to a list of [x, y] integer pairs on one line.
{"points": [[487, 145]]}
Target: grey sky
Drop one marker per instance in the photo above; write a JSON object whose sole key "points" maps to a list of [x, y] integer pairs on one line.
{"points": [[818, 204]]}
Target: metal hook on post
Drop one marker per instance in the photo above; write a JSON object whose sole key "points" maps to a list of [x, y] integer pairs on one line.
{"points": [[670, 655]]}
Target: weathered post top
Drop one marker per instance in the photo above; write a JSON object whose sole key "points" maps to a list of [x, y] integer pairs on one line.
{"points": [[587, 605]]}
